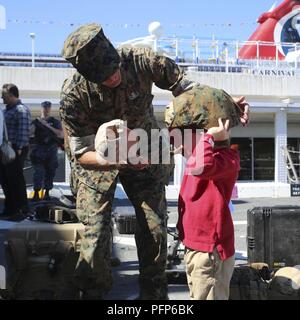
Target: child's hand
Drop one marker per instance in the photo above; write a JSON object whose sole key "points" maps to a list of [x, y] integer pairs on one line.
{"points": [[220, 133]]}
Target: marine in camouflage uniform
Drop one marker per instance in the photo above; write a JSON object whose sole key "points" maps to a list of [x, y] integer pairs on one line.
{"points": [[86, 104]]}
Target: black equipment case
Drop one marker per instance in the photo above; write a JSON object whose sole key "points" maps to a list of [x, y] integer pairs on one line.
{"points": [[125, 219], [274, 236]]}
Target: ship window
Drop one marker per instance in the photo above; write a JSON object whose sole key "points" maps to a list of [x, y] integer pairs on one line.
{"points": [[257, 158], [245, 149], [264, 159]]}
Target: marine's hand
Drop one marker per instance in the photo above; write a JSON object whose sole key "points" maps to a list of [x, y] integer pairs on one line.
{"points": [[244, 106], [221, 132]]}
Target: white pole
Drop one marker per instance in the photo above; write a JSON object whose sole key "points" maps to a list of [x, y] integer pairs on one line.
{"points": [[281, 130], [213, 45], [179, 169], [32, 36], [227, 59], [296, 56], [194, 49], [237, 50], [197, 51], [177, 50]]}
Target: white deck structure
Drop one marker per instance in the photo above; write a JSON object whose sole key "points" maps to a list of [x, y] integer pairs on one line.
{"points": [[274, 100]]}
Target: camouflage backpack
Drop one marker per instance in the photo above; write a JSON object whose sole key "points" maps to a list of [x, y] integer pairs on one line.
{"points": [[249, 283]]}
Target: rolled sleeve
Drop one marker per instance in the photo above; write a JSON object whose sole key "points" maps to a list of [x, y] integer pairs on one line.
{"points": [[81, 145], [77, 124]]}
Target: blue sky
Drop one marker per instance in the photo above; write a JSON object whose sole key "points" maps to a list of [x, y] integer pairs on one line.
{"points": [[227, 19]]}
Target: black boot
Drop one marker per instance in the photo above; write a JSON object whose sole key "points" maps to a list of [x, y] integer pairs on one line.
{"points": [[91, 294], [115, 262], [153, 288], [68, 291]]}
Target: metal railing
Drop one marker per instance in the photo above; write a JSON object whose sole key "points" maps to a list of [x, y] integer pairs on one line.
{"points": [[203, 55], [292, 171]]}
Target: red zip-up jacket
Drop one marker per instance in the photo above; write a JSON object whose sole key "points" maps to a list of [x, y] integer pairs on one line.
{"points": [[205, 221]]}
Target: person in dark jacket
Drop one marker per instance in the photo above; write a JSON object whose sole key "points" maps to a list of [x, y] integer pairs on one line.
{"points": [[17, 118], [47, 133]]}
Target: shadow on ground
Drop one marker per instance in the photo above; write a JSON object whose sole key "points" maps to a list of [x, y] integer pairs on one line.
{"points": [[125, 281]]}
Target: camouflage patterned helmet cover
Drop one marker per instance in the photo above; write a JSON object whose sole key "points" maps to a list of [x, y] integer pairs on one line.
{"points": [[91, 53], [201, 107]]}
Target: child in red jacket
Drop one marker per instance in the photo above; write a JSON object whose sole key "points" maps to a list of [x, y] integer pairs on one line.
{"points": [[205, 224]]}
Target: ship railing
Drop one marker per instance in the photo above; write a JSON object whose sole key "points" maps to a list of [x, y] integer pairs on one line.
{"points": [[187, 52]]}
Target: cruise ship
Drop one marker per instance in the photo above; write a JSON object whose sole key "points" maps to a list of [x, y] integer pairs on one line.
{"points": [[265, 69]]}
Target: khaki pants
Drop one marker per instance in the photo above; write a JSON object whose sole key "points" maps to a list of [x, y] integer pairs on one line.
{"points": [[208, 276]]}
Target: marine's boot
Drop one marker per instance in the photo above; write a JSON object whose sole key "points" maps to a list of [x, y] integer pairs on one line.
{"points": [[91, 294], [68, 291], [115, 262], [154, 288]]}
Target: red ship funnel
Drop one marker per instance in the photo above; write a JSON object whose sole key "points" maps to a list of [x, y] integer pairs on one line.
{"points": [[282, 24]]}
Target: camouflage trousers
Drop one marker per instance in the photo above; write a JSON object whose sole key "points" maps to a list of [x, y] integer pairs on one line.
{"points": [[147, 194], [74, 181]]}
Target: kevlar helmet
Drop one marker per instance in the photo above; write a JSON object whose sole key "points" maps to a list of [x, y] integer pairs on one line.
{"points": [[200, 108]]}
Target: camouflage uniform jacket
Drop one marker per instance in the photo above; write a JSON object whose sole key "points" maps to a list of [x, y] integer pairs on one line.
{"points": [[85, 106]]}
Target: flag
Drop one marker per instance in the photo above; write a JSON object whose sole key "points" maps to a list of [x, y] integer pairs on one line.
{"points": [[2, 18]]}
